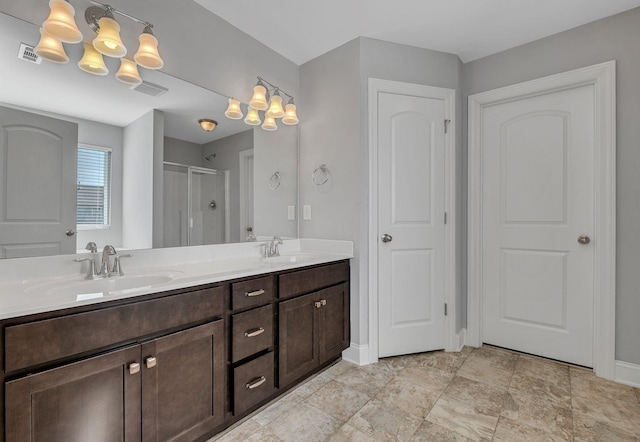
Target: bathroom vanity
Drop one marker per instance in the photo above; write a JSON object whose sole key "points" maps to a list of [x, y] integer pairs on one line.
{"points": [[179, 363]]}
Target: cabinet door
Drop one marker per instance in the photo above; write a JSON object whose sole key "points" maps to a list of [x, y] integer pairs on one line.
{"points": [[183, 384], [96, 399], [333, 322], [298, 352]]}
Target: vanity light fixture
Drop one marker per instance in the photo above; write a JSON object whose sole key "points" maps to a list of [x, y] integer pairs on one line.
{"points": [[207, 124], [270, 104], [60, 27]]}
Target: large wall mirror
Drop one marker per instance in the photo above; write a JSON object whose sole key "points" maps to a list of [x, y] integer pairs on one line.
{"points": [[171, 182]]}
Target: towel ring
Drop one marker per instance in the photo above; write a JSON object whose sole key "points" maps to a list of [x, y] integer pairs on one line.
{"points": [[274, 181], [320, 175]]}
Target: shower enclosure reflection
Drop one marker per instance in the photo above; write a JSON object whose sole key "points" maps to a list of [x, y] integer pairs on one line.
{"points": [[196, 205]]}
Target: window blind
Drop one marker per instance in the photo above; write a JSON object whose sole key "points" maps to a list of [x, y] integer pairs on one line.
{"points": [[94, 186]]}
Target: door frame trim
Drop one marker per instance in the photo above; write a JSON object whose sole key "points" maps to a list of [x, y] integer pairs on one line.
{"points": [[602, 77], [375, 87], [243, 156]]}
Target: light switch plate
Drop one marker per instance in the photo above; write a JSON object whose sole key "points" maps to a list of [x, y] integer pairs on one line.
{"points": [[306, 212], [291, 213]]}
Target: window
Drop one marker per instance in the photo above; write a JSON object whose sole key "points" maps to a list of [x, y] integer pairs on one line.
{"points": [[94, 187]]}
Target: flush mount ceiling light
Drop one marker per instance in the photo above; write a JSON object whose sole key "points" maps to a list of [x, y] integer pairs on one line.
{"points": [[60, 27], [207, 124], [260, 102]]}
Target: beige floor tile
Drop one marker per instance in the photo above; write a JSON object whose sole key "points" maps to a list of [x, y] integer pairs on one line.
{"points": [[550, 371], [496, 369], [638, 394], [588, 385], [314, 384], [427, 377], [545, 390], [622, 414], [484, 398], [239, 433], [263, 435], [447, 362], [586, 428], [338, 368], [384, 422], [369, 379], [509, 430], [539, 413], [409, 397], [338, 400], [463, 419], [304, 422], [278, 408], [430, 432], [347, 433]]}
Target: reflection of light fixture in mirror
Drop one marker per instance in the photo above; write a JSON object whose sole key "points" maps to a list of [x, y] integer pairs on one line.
{"points": [[253, 117], [92, 61], [269, 123], [207, 124], [147, 55], [128, 72], [290, 116], [233, 112], [108, 41], [50, 48], [61, 24], [275, 109]]}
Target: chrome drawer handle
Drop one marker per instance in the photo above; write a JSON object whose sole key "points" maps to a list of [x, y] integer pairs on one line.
{"points": [[256, 383], [252, 294], [254, 332], [134, 368], [150, 362]]}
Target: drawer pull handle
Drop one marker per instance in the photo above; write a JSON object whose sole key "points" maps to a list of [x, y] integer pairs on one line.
{"points": [[256, 383], [254, 332], [320, 303], [254, 293], [134, 368], [150, 362]]}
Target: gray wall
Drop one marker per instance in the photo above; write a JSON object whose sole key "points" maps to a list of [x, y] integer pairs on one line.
{"points": [[183, 152], [612, 38], [227, 152], [334, 90]]}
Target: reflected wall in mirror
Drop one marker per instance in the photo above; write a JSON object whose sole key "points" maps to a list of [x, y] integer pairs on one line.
{"points": [[172, 183]]}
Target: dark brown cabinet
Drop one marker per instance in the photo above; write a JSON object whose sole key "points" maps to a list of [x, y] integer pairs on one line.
{"points": [[313, 329]]}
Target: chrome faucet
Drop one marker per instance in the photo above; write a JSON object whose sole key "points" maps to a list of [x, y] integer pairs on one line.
{"points": [[104, 266], [271, 249], [92, 247], [92, 273]]}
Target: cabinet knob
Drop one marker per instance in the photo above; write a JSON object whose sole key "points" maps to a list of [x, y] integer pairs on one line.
{"points": [[134, 368], [256, 383], [255, 293], [318, 304], [254, 332], [150, 362]]}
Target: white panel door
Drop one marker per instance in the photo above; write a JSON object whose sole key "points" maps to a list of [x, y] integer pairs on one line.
{"points": [[411, 192], [37, 184], [538, 199]]}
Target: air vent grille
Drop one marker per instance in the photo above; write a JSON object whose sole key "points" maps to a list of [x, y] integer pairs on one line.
{"points": [[150, 89], [27, 53]]}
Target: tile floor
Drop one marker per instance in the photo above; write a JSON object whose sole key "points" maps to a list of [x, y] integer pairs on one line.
{"points": [[478, 394]]}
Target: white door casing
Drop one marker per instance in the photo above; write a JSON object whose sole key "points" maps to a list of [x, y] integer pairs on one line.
{"points": [[246, 193], [410, 189], [38, 157], [540, 237]]}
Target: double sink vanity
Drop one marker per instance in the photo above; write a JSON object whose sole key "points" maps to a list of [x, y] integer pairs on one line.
{"points": [[186, 343]]}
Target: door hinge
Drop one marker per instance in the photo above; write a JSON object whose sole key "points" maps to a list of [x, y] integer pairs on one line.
{"points": [[446, 125], [445, 217], [445, 309]]}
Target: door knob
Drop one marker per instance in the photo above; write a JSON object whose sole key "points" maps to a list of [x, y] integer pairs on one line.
{"points": [[387, 238], [70, 232], [584, 239]]}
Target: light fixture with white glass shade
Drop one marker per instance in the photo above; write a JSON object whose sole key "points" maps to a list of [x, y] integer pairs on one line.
{"points": [[61, 23], [147, 55], [269, 124], [128, 72], [234, 111], [50, 48], [290, 116], [275, 106], [253, 117], [92, 61], [108, 41], [208, 124]]}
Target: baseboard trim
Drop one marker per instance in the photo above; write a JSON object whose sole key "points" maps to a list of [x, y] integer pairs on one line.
{"points": [[461, 339], [357, 354], [627, 373]]}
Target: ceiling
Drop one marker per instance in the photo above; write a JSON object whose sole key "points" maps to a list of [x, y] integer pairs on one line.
{"points": [[472, 29]]}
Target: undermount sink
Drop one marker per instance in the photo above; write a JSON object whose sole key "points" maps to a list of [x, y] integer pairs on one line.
{"points": [[89, 289]]}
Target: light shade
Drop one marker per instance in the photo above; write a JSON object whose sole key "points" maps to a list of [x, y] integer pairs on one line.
{"points": [[108, 41], [128, 72], [276, 110], [50, 48], [259, 99], [60, 22], [207, 124], [290, 117], [233, 111], [92, 61], [147, 55], [253, 117], [269, 123]]}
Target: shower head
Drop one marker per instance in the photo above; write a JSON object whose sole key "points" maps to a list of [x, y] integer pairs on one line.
{"points": [[210, 157]]}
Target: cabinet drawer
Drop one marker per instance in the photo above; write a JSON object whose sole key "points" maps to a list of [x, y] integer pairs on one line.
{"points": [[251, 332], [253, 382], [252, 293], [304, 281], [39, 342]]}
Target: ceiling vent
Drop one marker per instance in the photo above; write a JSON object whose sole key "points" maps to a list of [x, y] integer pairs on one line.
{"points": [[27, 53], [150, 89]]}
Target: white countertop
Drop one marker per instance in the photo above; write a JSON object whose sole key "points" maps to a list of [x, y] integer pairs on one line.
{"points": [[36, 285]]}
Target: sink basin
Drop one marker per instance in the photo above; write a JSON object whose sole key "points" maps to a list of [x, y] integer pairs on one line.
{"points": [[89, 289]]}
